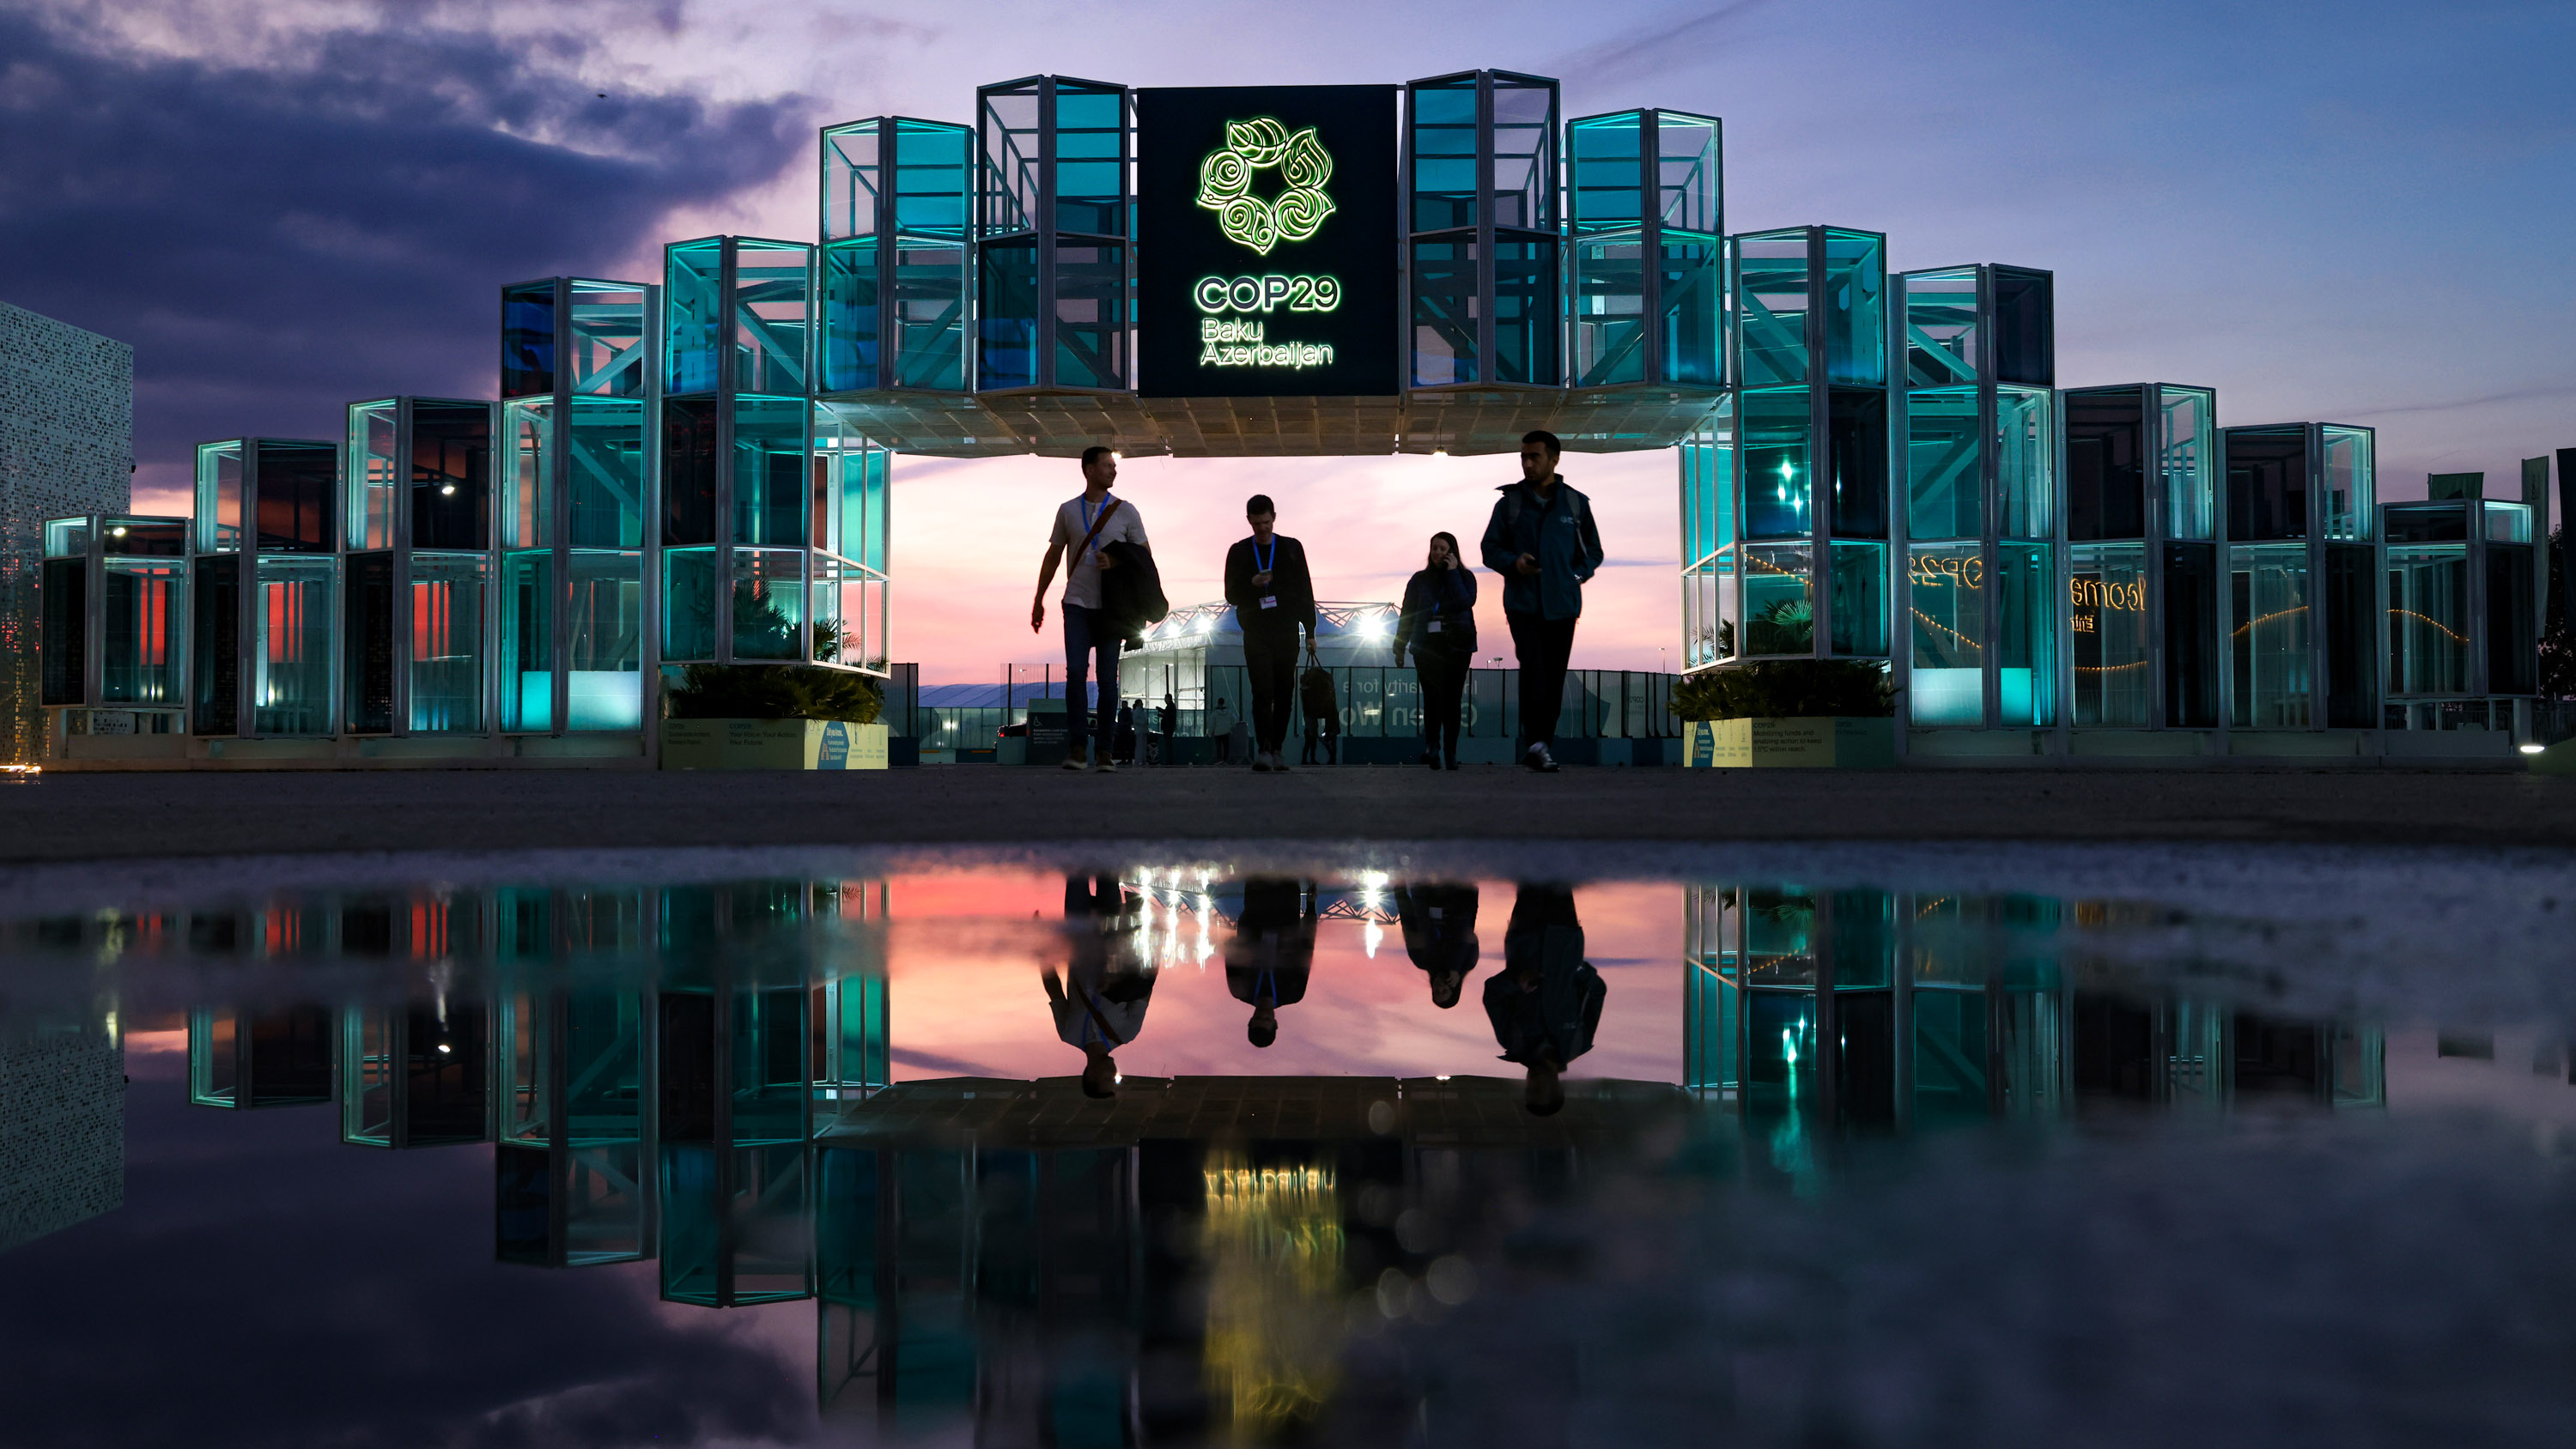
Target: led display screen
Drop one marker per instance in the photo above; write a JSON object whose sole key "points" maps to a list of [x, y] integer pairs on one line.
{"points": [[1265, 241]]}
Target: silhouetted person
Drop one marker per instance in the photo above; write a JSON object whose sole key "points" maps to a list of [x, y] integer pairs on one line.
{"points": [[1440, 935], [1274, 605], [1099, 1002], [1272, 953], [1541, 539], [1546, 1002], [1438, 623]]}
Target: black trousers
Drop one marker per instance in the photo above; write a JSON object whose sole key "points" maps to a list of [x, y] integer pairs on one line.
{"points": [[1543, 645], [1444, 686], [1270, 667]]}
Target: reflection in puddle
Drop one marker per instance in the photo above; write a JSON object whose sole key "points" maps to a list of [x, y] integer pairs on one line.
{"points": [[1191, 1154]]}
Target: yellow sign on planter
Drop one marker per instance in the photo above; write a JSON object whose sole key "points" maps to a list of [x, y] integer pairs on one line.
{"points": [[1822, 743], [772, 744]]}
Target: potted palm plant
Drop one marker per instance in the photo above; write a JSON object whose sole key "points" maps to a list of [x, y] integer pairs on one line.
{"points": [[784, 716], [1787, 712]]}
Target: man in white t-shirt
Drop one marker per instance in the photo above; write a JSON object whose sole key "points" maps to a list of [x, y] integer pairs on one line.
{"points": [[1103, 520]]}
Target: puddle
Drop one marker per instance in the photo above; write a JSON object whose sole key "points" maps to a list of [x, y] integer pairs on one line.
{"points": [[1246, 1144]]}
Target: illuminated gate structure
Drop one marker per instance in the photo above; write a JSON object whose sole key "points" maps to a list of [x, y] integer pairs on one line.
{"points": [[1874, 466]]}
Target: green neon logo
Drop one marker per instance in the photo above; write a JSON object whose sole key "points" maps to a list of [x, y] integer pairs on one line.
{"points": [[1255, 146]]}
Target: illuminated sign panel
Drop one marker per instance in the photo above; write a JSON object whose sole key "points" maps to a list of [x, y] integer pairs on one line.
{"points": [[1265, 241]]}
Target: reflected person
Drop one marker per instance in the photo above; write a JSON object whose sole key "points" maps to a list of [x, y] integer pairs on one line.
{"points": [[1099, 1002], [1440, 935], [1546, 1003], [1272, 953]]}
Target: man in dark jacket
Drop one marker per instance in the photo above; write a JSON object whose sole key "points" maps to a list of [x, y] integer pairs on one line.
{"points": [[1541, 539], [1546, 1003], [1272, 953], [1273, 599], [1440, 935]]}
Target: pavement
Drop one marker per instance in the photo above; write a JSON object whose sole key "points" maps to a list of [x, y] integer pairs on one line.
{"points": [[74, 817]]}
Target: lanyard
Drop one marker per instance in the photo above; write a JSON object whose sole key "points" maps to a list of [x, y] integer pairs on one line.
{"points": [[1258, 562], [1085, 505]]}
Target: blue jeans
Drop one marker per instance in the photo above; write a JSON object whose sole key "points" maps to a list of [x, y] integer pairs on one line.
{"points": [[1088, 631]]}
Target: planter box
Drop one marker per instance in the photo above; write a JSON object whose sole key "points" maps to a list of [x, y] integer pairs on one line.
{"points": [[1832, 743], [772, 744]]}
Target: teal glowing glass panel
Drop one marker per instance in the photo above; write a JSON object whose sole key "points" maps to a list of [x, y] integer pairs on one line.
{"points": [[852, 179], [605, 476], [527, 642], [2428, 620], [769, 317], [142, 612], [1858, 584], [368, 462], [448, 593], [1444, 313], [294, 661], [605, 348], [1691, 194], [1006, 321], [527, 439], [692, 314], [1692, 294], [1942, 464], [1090, 166], [768, 603], [2026, 461], [1779, 610], [67, 538], [1525, 311], [1441, 135], [2347, 504], [2272, 653], [2506, 522], [1091, 332], [770, 468], [1855, 307], [1609, 310], [1771, 299], [850, 336], [929, 319], [2026, 636], [2106, 602], [2189, 461], [689, 605], [1605, 172], [1947, 587], [604, 640], [1941, 328], [1699, 505], [933, 164], [1778, 429], [839, 610], [219, 497]]}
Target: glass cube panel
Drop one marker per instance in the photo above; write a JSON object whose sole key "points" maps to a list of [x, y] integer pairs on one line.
{"points": [[295, 660], [1006, 319], [606, 348], [1779, 611], [1708, 597], [2106, 601], [770, 467], [1444, 312], [877, 637], [128, 537], [527, 431], [2428, 620], [527, 643], [1690, 192], [850, 329], [1947, 584], [2267, 484], [2193, 648], [604, 640], [851, 179], [688, 471], [1771, 297], [1609, 310], [2348, 483], [447, 607], [1090, 315], [1945, 497], [933, 166], [2025, 327], [219, 497], [1778, 479], [1856, 424], [839, 611], [369, 460], [1441, 121], [1707, 508], [1859, 596], [1605, 172], [2106, 466], [930, 314], [1855, 304], [606, 472], [768, 603], [692, 314], [1693, 295], [1525, 311], [141, 614], [2271, 654], [297, 487], [1941, 328], [527, 340], [2507, 522], [1090, 170], [215, 652], [451, 475], [1525, 153], [67, 537], [2026, 637], [769, 317], [1009, 184], [2026, 461], [2190, 461], [689, 605], [2446, 522]]}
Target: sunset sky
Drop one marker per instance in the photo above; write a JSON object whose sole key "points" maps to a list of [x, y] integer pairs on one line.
{"points": [[2351, 212]]}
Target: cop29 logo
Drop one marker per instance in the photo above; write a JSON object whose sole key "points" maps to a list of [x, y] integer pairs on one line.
{"points": [[1252, 147]]}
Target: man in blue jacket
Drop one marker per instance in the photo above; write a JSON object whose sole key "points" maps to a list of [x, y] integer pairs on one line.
{"points": [[1542, 541]]}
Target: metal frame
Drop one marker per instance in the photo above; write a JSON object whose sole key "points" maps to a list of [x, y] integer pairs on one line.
{"points": [[888, 235], [1044, 235], [1484, 233], [2320, 657], [246, 549]]}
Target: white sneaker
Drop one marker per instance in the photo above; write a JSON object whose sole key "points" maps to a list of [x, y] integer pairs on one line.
{"points": [[1107, 766], [1073, 759]]}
